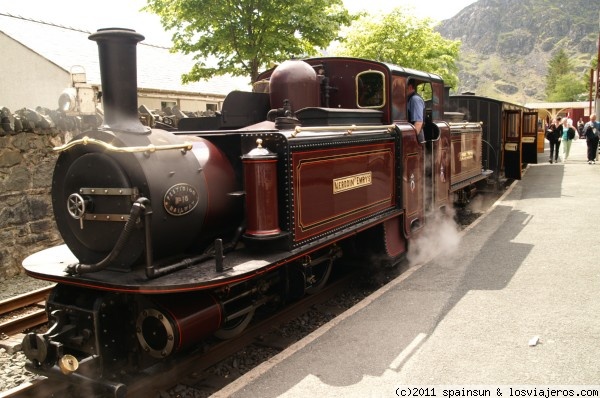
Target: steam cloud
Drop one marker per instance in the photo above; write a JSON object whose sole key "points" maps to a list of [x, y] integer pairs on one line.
{"points": [[440, 236]]}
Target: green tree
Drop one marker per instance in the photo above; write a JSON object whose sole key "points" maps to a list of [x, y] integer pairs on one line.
{"points": [[569, 87], [404, 40], [563, 83], [244, 36], [559, 66]]}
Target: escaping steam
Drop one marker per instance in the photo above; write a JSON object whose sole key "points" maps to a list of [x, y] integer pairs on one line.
{"points": [[440, 236]]}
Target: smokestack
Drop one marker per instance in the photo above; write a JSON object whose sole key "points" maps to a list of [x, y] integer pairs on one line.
{"points": [[118, 71]]}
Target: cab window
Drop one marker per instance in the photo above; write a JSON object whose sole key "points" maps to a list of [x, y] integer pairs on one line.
{"points": [[370, 89], [425, 91]]}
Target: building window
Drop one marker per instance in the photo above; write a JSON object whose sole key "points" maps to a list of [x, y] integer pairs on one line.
{"points": [[212, 107]]}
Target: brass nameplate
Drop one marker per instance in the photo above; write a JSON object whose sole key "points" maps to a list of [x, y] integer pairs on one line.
{"points": [[511, 147], [352, 182], [466, 155]]}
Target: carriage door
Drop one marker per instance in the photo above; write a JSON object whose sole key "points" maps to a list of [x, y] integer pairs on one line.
{"points": [[511, 131], [530, 137]]}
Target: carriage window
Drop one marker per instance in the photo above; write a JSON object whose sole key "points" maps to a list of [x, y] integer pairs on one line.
{"points": [[370, 89], [512, 124]]}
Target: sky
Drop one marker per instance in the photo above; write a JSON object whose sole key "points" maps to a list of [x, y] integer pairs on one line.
{"points": [[95, 14]]}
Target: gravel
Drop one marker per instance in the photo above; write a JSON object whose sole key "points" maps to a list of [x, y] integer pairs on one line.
{"points": [[12, 370], [20, 284], [12, 364]]}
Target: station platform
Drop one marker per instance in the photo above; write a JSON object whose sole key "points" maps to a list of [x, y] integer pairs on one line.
{"points": [[514, 302]]}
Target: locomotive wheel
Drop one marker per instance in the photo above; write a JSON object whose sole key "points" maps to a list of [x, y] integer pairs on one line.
{"points": [[234, 327], [319, 277]]}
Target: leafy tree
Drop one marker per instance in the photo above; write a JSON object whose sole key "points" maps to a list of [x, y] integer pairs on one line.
{"points": [[559, 66], [568, 87], [562, 83], [244, 36], [404, 40]]}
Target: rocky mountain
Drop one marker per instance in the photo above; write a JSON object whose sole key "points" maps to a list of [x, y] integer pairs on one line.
{"points": [[506, 44]]}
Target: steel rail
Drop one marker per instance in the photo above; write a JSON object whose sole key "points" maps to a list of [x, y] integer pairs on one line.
{"points": [[24, 300], [23, 322]]}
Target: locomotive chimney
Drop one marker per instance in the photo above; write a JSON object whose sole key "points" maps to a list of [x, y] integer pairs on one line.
{"points": [[118, 71]]}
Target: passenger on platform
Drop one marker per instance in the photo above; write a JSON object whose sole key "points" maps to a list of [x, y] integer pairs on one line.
{"points": [[553, 135], [592, 131], [415, 107], [569, 121], [580, 130], [568, 134]]}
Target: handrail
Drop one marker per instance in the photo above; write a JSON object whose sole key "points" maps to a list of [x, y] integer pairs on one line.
{"points": [[349, 129], [186, 146]]}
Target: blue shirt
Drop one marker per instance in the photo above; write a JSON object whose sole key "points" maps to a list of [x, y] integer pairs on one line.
{"points": [[595, 125], [416, 108]]}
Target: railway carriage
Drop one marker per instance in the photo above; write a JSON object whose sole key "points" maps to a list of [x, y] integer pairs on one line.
{"points": [[174, 236], [509, 132]]}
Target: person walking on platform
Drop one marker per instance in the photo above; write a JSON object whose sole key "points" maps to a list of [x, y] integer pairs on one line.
{"points": [[592, 131], [580, 130], [553, 136], [568, 134]]}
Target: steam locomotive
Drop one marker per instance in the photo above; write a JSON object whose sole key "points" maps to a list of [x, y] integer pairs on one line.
{"points": [[174, 236]]}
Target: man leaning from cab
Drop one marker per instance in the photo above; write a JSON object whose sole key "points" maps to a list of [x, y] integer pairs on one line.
{"points": [[415, 107]]}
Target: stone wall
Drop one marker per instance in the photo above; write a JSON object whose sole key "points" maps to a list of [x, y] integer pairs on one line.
{"points": [[26, 220]]}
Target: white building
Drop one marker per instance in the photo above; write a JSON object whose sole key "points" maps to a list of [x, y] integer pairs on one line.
{"points": [[38, 57]]}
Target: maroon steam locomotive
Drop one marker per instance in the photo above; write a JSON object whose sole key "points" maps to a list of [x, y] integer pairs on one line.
{"points": [[174, 236]]}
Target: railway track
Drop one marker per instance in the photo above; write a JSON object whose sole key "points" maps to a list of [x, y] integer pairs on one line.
{"points": [[23, 312]]}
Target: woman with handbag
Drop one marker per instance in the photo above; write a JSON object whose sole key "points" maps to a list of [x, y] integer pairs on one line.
{"points": [[553, 136], [568, 134]]}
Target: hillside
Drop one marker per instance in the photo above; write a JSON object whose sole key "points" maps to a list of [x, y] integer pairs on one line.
{"points": [[506, 44]]}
